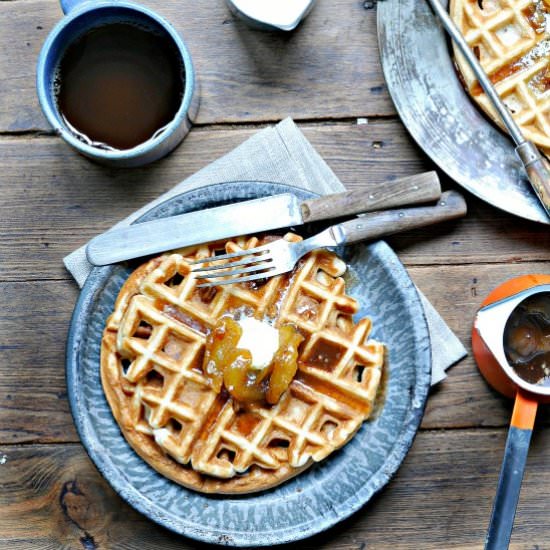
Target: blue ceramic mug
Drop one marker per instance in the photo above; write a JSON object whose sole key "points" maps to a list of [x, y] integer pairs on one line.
{"points": [[81, 16]]}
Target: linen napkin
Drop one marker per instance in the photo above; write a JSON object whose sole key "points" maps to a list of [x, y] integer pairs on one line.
{"points": [[282, 154]]}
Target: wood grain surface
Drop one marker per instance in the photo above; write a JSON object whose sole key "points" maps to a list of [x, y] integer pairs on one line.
{"points": [[328, 77], [55, 200], [330, 69], [52, 497]]}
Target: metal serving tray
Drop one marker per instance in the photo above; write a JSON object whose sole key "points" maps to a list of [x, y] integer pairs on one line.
{"points": [[448, 126]]}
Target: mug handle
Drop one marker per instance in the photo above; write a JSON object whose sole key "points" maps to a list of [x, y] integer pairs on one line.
{"points": [[69, 5]]}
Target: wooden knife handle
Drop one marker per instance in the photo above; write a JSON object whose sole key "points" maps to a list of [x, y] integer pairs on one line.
{"points": [[378, 224], [539, 176], [409, 190], [538, 171]]}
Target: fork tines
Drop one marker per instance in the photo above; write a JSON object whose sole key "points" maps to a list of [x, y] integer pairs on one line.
{"points": [[257, 261]]}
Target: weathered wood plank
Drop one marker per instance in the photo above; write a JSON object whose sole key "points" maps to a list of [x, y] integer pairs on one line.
{"points": [[245, 75], [34, 324], [53, 200], [34, 320], [53, 498]]}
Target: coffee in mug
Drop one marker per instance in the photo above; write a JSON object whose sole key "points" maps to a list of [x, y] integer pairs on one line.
{"points": [[119, 84]]}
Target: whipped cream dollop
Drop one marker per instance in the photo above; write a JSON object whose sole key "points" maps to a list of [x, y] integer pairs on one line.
{"points": [[261, 339]]}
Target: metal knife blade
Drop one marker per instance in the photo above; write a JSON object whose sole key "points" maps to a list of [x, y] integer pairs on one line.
{"points": [[203, 226]]}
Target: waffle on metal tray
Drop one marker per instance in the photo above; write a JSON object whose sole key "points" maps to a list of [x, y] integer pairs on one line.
{"points": [[151, 369], [511, 38]]}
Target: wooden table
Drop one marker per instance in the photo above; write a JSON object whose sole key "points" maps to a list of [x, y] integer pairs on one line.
{"points": [[326, 76]]}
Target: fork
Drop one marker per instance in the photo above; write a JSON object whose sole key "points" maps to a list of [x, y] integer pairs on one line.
{"points": [[281, 256]]}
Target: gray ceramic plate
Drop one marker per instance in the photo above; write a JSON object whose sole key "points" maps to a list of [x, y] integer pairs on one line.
{"points": [[440, 116], [316, 499]]}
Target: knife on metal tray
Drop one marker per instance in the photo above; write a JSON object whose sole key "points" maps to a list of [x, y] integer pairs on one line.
{"points": [[248, 217]]}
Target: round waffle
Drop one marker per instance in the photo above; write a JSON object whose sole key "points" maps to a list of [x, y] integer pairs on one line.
{"points": [[511, 39], [151, 370]]}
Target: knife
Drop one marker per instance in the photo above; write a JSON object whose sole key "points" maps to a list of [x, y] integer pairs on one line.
{"points": [[248, 217]]}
